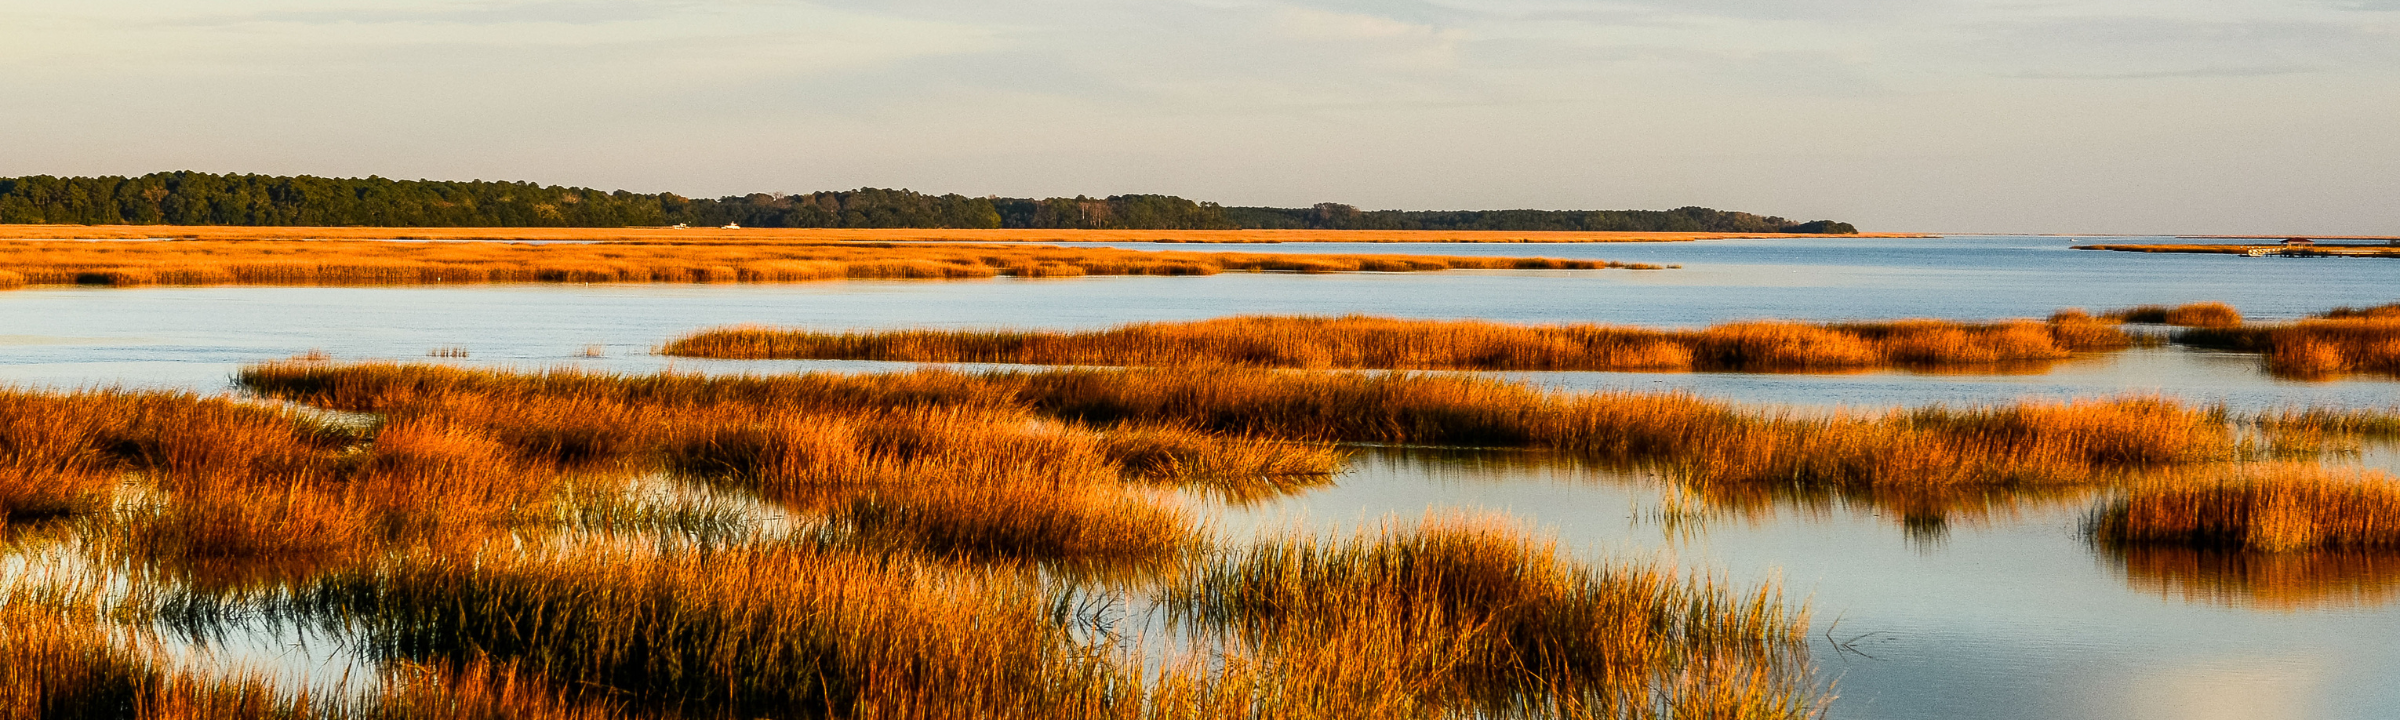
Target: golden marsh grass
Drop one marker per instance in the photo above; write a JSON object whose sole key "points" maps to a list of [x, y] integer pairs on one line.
{"points": [[1456, 616], [2274, 508], [855, 235], [1709, 443], [2316, 348], [1363, 342], [2199, 314], [367, 262]]}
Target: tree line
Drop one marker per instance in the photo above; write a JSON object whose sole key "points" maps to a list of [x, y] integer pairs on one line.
{"points": [[193, 198]]}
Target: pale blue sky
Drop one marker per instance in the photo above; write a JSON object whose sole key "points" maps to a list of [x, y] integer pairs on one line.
{"points": [[1940, 115]]}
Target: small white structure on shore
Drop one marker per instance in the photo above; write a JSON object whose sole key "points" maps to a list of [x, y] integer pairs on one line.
{"points": [[732, 226], [679, 226]]}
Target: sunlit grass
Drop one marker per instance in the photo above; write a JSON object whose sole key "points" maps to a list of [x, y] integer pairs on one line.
{"points": [[360, 262], [1363, 342]]}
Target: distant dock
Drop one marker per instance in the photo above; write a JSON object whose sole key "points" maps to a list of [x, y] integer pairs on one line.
{"points": [[2287, 246]]}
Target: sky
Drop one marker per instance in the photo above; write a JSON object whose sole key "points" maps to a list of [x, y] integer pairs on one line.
{"points": [[2097, 116]]}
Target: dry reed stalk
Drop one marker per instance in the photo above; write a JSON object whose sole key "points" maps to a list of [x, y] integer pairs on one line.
{"points": [[1457, 617], [2275, 508], [281, 262], [1388, 343]]}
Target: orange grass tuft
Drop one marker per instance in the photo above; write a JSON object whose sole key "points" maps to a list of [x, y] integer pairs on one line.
{"points": [[356, 262], [2314, 348], [1391, 343], [2199, 314], [787, 633], [51, 669], [2372, 312], [1455, 616], [2278, 508]]}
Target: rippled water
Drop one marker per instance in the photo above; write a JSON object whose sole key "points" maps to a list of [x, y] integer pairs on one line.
{"points": [[2005, 616]]}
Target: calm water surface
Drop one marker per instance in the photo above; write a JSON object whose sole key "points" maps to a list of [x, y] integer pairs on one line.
{"points": [[1999, 617], [2009, 617]]}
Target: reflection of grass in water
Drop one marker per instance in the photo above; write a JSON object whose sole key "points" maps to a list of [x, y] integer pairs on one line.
{"points": [[1362, 342], [2283, 581]]}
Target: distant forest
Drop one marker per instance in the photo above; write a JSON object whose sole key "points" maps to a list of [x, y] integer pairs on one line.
{"points": [[191, 198]]}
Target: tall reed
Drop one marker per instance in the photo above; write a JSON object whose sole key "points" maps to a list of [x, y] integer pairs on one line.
{"points": [[1389, 343]]}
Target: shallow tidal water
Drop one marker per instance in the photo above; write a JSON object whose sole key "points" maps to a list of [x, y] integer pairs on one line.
{"points": [[1994, 617], [2010, 615]]}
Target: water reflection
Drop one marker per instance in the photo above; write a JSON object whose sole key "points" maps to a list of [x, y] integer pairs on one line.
{"points": [[2273, 581]]}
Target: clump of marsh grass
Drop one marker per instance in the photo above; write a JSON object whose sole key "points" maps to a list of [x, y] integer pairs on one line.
{"points": [[2273, 508], [796, 633], [53, 669], [2372, 312], [2198, 314], [2343, 421], [1232, 467], [1363, 342], [962, 480], [2313, 348], [1460, 618]]}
